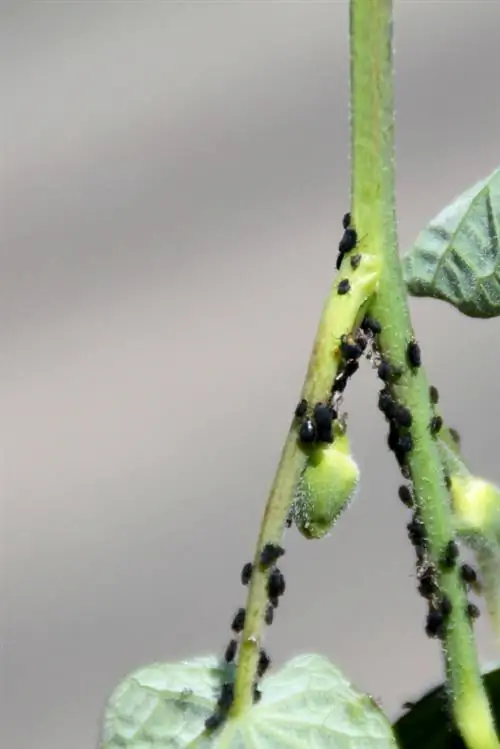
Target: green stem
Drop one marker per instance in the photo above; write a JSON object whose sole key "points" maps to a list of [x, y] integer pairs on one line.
{"points": [[340, 316], [374, 214]]}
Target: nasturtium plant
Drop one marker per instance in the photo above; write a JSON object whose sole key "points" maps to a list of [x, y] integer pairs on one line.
{"points": [[308, 703], [456, 258]]}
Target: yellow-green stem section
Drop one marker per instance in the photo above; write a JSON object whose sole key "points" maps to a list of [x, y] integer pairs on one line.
{"points": [[340, 316], [374, 215]]}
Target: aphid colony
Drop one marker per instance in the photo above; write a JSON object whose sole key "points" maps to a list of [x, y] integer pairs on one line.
{"points": [[269, 555]]}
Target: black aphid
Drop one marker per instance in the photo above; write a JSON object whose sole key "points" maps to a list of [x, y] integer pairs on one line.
{"points": [[246, 573], [355, 261], [454, 435], [402, 416], [447, 481], [351, 367], [275, 584], [348, 241], [473, 611], [433, 395], [450, 555], [270, 553], [346, 221], [468, 574], [263, 663], [344, 286], [301, 409], [238, 621], [370, 325], [214, 721], [226, 696], [323, 418], [230, 653], [413, 354], [257, 694], [436, 424], [338, 262], [405, 495], [349, 348], [269, 615], [274, 601], [416, 532], [307, 432], [386, 403], [340, 383], [384, 371], [445, 606], [405, 445], [428, 586], [434, 623], [393, 437]]}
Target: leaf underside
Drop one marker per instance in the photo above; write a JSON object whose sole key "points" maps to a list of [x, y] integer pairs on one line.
{"points": [[308, 703], [426, 723], [456, 258]]}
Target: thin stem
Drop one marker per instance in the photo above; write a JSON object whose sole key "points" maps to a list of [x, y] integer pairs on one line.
{"points": [[373, 208], [341, 315]]}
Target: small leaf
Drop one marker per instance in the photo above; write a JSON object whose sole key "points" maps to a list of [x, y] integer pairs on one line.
{"points": [[457, 257], [426, 724], [309, 703]]}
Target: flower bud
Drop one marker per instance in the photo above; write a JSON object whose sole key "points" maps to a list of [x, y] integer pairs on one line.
{"points": [[327, 486], [476, 506]]}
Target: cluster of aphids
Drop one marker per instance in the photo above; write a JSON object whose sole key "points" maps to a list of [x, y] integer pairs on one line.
{"points": [[440, 606], [269, 555]]}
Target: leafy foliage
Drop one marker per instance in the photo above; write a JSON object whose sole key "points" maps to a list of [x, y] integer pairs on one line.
{"points": [[309, 703], [456, 258], [426, 724]]}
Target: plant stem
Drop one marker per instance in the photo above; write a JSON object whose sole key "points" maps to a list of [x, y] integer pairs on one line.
{"points": [[373, 209], [341, 315]]}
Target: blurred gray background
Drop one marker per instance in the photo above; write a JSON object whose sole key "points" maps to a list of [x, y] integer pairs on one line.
{"points": [[173, 180]]}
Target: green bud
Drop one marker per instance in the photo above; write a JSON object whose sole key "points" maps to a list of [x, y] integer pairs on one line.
{"points": [[476, 505], [327, 486]]}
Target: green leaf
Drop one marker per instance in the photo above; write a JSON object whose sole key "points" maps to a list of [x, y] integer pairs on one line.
{"points": [[309, 703], [457, 257], [426, 724]]}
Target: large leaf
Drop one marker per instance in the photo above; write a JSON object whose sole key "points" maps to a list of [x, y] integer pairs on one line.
{"points": [[425, 725], [456, 258], [309, 703]]}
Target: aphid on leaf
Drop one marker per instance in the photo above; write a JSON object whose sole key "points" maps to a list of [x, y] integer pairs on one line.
{"points": [[346, 221], [428, 586], [214, 721], [445, 606], [270, 553], [455, 436], [351, 367], [344, 286], [386, 403], [413, 354], [416, 532], [434, 624], [355, 261], [323, 418], [349, 348], [226, 696], [238, 621]]}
